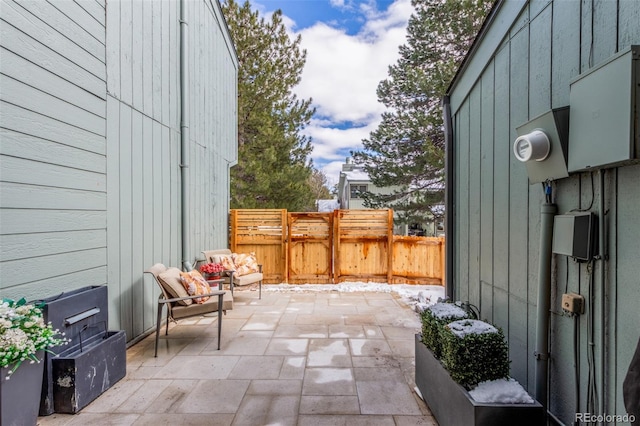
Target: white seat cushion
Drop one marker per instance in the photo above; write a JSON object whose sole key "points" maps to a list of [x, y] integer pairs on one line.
{"points": [[247, 279]]}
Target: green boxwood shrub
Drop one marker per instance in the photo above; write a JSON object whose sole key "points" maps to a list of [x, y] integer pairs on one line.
{"points": [[434, 318], [474, 351]]}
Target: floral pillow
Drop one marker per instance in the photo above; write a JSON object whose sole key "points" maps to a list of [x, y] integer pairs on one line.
{"points": [[245, 263], [195, 285], [227, 262]]}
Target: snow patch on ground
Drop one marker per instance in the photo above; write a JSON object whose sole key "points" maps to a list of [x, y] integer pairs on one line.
{"points": [[419, 297], [504, 391]]}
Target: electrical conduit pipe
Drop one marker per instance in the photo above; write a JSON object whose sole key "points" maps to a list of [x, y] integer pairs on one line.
{"points": [[547, 213], [184, 138]]}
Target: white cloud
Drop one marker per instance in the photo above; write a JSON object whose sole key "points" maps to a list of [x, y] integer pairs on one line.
{"points": [[342, 74]]}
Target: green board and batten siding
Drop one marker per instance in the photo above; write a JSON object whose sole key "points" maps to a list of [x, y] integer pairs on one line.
{"points": [[53, 200], [143, 132], [520, 68], [90, 146]]}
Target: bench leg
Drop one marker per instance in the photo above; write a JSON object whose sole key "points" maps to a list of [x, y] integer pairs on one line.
{"points": [[158, 321], [220, 301]]}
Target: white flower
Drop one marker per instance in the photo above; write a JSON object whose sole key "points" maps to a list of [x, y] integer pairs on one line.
{"points": [[23, 332]]}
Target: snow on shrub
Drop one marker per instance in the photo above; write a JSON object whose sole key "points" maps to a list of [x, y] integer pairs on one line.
{"points": [[503, 391], [434, 318], [474, 351]]}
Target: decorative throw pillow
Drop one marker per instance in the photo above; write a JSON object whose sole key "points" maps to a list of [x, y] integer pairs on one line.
{"points": [[227, 262], [245, 263], [172, 284], [195, 285]]}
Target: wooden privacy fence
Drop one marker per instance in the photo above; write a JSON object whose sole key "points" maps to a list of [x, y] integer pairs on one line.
{"points": [[345, 245]]}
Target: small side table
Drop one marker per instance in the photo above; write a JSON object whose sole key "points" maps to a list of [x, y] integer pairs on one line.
{"points": [[218, 281]]}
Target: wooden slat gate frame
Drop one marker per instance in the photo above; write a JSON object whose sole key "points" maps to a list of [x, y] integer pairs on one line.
{"points": [[262, 231], [362, 245], [310, 248], [346, 245]]}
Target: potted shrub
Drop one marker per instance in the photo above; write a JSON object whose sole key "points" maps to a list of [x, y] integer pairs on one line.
{"points": [[468, 383], [24, 337], [434, 319]]}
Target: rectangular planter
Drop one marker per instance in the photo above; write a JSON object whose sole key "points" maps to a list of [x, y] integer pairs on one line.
{"points": [[452, 405], [94, 358], [80, 376]]}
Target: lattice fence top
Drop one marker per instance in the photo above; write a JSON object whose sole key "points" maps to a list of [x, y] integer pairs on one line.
{"points": [[365, 223]]}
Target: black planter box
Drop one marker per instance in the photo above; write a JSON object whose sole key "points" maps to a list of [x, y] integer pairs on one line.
{"points": [[94, 358], [79, 377], [452, 405]]}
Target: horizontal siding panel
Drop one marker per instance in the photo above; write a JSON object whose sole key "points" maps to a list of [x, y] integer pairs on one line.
{"points": [[17, 93], [29, 246], [95, 8], [39, 126], [13, 272], [20, 170], [36, 29], [26, 72], [15, 195], [83, 18], [49, 287], [26, 146], [66, 27], [34, 51], [23, 221]]}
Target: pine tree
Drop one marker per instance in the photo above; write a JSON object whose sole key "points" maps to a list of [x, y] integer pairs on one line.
{"points": [[407, 148], [274, 168]]}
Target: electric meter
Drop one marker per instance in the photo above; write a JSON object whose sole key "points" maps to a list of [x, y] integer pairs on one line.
{"points": [[532, 146]]}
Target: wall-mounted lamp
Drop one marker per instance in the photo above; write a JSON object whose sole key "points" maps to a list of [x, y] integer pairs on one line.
{"points": [[532, 146]]}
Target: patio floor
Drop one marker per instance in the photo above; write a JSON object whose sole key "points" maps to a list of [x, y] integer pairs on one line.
{"points": [[292, 358]]}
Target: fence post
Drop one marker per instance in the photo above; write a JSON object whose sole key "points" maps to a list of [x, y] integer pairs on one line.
{"points": [[233, 231], [284, 248], [389, 246], [443, 260], [336, 245]]}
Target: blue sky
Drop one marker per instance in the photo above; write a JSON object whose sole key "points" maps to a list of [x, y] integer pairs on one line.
{"points": [[350, 45]]}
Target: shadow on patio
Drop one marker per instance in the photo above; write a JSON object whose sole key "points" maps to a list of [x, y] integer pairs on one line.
{"points": [[292, 358]]}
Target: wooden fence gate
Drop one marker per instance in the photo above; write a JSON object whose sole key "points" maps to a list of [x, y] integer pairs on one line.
{"points": [[310, 248], [345, 245]]}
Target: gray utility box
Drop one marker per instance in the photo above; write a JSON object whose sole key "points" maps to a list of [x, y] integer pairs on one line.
{"points": [[92, 361], [576, 235], [603, 126]]}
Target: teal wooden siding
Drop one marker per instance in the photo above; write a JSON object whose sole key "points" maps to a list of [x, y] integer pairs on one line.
{"points": [[520, 68], [143, 143], [52, 149], [90, 184]]}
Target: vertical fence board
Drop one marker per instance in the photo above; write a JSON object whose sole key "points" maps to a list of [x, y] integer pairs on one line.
{"points": [[262, 232], [310, 237], [343, 246]]}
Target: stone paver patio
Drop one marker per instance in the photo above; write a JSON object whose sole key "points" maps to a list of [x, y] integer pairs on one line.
{"points": [[292, 358]]}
